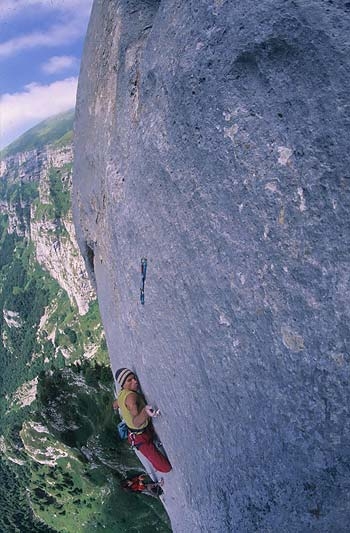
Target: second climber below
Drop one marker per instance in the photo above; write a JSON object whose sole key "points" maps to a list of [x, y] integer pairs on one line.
{"points": [[137, 416]]}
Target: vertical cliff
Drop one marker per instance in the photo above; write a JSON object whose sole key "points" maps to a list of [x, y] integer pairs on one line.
{"points": [[212, 138]]}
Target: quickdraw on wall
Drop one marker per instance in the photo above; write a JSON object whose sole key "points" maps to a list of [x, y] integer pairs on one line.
{"points": [[143, 279]]}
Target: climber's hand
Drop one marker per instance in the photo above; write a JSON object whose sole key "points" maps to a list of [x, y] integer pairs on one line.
{"points": [[151, 411]]}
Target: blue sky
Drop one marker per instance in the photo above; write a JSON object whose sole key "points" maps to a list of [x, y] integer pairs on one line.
{"points": [[41, 42]]}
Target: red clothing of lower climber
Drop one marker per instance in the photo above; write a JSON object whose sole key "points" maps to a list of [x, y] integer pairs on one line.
{"points": [[137, 416]]}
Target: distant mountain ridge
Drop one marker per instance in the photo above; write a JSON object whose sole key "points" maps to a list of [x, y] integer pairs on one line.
{"points": [[57, 130]]}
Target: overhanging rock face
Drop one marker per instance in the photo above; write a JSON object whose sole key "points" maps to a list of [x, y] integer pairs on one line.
{"points": [[212, 137]]}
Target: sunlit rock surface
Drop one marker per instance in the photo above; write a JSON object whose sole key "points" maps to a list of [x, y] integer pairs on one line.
{"points": [[212, 138]]}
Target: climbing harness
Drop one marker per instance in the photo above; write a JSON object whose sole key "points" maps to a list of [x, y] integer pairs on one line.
{"points": [[132, 438], [143, 279], [135, 445]]}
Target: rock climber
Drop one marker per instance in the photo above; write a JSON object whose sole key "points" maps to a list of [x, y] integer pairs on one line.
{"points": [[137, 416], [138, 484]]}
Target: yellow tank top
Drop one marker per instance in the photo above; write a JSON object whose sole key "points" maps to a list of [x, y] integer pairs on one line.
{"points": [[124, 411]]}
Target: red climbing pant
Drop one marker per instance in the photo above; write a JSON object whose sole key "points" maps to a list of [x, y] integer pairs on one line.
{"points": [[143, 442]]}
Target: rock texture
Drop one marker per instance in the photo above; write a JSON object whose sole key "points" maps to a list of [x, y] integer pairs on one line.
{"points": [[212, 138]]}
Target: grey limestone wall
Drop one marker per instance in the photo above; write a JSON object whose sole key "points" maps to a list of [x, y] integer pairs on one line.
{"points": [[212, 137]]}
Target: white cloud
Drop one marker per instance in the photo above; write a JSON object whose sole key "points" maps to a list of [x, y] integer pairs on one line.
{"points": [[54, 36], [21, 111], [59, 63], [14, 8]]}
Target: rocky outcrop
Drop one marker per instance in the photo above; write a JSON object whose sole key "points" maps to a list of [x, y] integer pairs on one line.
{"points": [[12, 319], [25, 394], [53, 236], [32, 165], [212, 138], [56, 250], [42, 447]]}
